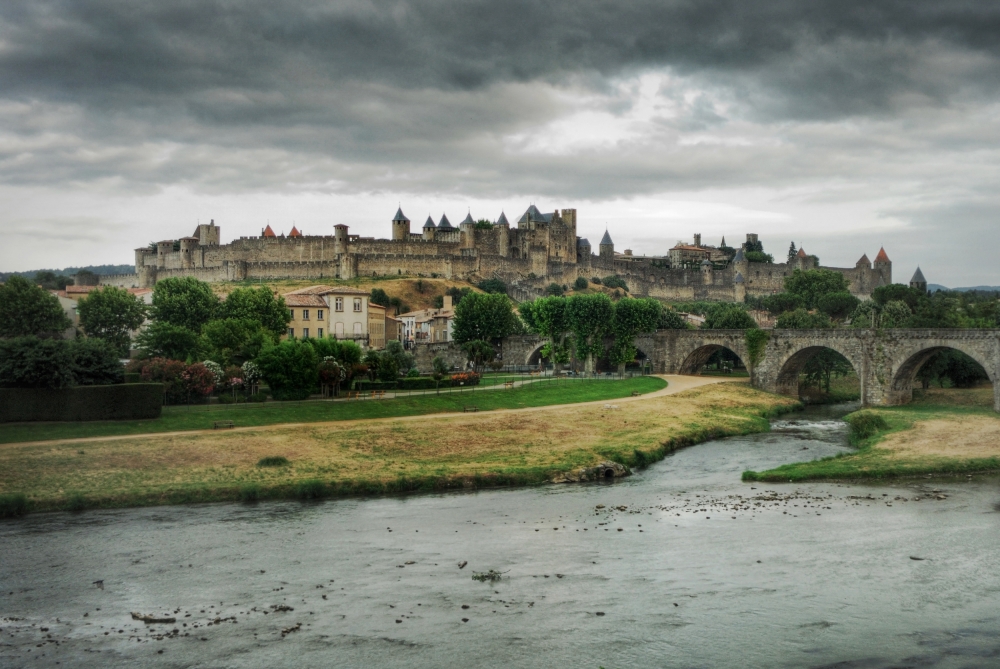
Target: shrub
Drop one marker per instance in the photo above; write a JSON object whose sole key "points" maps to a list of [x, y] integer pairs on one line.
{"points": [[273, 461], [554, 289], [199, 380], [249, 492], [76, 502], [413, 373], [614, 281], [169, 373], [291, 369], [580, 283], [492, 286], [118, 402], [133, 377], [865, 424], [465, 379], [30, 362], [595, 279], [13, 504], [311, 489], [257, 397], [225, 398], [27, 309], [95, 362], [419, 383]]}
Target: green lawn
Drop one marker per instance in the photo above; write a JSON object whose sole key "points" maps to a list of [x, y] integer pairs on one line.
{"points": [[872, 460], [272, 413]]}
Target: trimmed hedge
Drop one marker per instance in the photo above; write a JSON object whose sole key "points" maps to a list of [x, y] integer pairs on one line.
{"points": [[118, 402], [406, 383]]}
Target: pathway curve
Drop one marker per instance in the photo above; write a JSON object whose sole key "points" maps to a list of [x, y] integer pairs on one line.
{"points": [[675, 384]]}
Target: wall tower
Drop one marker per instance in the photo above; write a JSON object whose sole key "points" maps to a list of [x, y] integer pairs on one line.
{"points": [[400, 227]]}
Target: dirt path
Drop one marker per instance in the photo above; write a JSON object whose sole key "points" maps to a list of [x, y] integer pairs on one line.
{"points": [[675, 384]]}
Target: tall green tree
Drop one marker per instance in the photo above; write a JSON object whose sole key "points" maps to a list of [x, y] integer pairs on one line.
{"points": [[290, 369], [258, 304], [633, 316], [26, 309], [96, 362], [727, 316], [163, 340], [485, 316], [838, 305], [112, 314], [30, 362], [233, 341], [589, 318], [184, 302], [800, 319], [811, 285], [480, 353], [546, 317]]}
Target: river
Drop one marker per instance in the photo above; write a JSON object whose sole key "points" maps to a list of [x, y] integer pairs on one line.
{"points": [[684, 566]]}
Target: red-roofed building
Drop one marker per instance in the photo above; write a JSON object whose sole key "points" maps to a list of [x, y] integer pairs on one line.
{"points": [[295, 232], [267, 232]]}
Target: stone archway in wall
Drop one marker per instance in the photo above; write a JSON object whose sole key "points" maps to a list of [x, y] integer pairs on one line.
{"points": [[696, 359], [901, 387], [534, 356], [791, 368]]}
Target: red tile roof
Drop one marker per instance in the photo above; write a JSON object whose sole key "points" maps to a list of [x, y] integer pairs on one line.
{"points": [[304, 301], [802, 253], [295, 232], [882, 257], [268, 232]]}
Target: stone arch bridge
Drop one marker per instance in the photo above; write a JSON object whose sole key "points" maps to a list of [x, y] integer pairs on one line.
{"points": [[886, 361]]}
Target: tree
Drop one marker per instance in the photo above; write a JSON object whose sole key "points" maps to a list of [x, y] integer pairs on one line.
{"points": [[792, 252], [671, 320], [440, 368], [898, 292], [52, 281], [580, 283], [257, 304], [96, 362], [632, 317], [185, 302], [838, 305], [727, 316], [782, 302], [866, 315], [485, 316], [164, 340], [86, 278], [388, 368], [484, 224], [290, 369], [812, 284], [26, 309], [823, 366], [233, 341], [31, 362], [554, 289], [379, 296], [480, 353], [755, 340], [404, 361], [112, 314], [589, 318], [492, 286], [895, 314], [546, 316], [800, 319], [614, 281], [759, 256]]}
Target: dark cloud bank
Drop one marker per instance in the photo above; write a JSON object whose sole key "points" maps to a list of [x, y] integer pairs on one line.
{"points": [[457, 97]]}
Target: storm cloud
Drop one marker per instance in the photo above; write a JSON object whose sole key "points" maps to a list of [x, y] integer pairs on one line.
{"points": [[887, 105]]}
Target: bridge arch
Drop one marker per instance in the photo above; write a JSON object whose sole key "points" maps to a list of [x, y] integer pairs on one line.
{"points": [[696, 359], [792, 365], [901, 386]]}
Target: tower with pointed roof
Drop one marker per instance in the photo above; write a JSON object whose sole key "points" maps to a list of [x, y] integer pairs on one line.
{"points": [[918, 282], [400, 227], [883, 266], [429, 229], [606, 248]]}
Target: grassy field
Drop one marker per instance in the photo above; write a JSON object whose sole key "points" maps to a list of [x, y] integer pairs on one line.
{"points": [[176, 419], [377, 456], [949, 431]]}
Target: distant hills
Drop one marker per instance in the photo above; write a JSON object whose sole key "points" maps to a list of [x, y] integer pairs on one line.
{"points": [[985, 289], [70, 271]]}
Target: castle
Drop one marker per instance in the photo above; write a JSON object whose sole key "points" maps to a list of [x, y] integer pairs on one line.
{"points": [[541, 249]]}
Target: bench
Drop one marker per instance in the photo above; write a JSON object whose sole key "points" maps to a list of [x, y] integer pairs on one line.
{"points": [[471, 409], [222, 424], [353, 395], [507, 385], [378, 394]]}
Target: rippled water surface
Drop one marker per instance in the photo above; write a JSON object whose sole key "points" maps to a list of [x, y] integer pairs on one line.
{"points": [[684, 566]]}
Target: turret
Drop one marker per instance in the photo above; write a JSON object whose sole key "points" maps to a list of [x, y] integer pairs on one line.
{"points": [[188, 248], [162, 249], [706, 271], [607, 247], [400, 226], [207, 234], [883, 266], [918, 282], [583, 250], [468, 228], [503, 231], [340, 238], [429, 229]]}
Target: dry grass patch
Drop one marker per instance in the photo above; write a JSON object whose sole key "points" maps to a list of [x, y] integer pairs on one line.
{"points": [[514, 446], [967, 437]]}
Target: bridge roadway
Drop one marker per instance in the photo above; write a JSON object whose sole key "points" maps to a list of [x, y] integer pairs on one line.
{"points": [[886, 361]]}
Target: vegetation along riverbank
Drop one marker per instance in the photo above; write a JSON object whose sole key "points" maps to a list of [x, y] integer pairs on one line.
{"points": [[944, 431], [421, 453]]}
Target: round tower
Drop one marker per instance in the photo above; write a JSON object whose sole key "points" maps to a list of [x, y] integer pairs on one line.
{"points": [[340, 238], [162, 249], [468, 228], [706, 271], [188, 246], [883, 266], [607, 247], [918, 282], [503, 235], [400, 226], [429, 229]]}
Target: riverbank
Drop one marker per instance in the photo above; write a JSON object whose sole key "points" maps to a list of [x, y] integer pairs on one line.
{"points": [[424, 453], [183, 418], [944, 431]]}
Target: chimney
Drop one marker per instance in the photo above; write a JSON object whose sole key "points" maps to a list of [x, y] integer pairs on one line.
{"points": [[447, 302]]}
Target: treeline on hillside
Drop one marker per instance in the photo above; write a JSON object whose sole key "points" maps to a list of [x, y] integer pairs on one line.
{"points": [[58, 279]]}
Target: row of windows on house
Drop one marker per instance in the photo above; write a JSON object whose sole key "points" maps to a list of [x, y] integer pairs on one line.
{"points": [[338, 306], [338, 331]]}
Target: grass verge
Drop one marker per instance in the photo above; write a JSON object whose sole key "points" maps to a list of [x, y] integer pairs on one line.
{"points": [[177, 419], [426, 453], [951, 431]]}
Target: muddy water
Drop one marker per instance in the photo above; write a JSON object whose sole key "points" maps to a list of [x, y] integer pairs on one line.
{"points": [[684, 566]]}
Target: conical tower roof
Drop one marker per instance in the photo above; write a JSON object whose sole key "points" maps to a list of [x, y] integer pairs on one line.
{"points": [[445, 224], [918, 277], [295, 232], [863, 260], [468, 219], [399, 217], [740, 256], [882, 257], [606, 239], [802, 253], [268, 232], [503, 219], [429, 223]]}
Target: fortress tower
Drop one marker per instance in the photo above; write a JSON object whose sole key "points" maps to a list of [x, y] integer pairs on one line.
{"points": [[340, 238], [918, 281], [400, 227], [883, 266], [607, 247]]}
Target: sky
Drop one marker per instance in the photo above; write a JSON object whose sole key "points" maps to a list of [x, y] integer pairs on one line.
{"points": [[840, 125]]}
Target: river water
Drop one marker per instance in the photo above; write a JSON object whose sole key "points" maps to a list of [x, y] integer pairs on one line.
{"points": [[684, 566]]}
